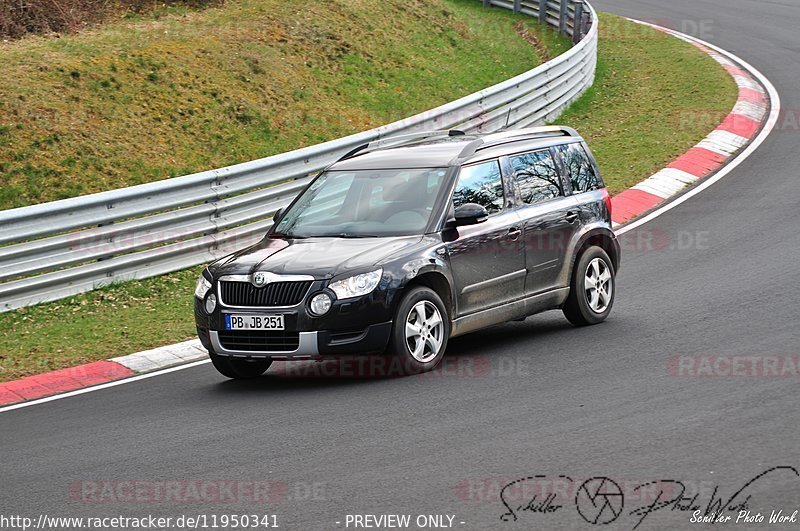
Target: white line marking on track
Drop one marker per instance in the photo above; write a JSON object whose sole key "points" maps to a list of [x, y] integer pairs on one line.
{"points": [[103, 386]]}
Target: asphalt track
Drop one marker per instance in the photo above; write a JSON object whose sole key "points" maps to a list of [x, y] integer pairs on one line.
{"points": [[518, 400]]}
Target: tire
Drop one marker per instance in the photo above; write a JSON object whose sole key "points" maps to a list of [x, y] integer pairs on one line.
{"points": [[586, 304], [418, 353], [239, 369]]}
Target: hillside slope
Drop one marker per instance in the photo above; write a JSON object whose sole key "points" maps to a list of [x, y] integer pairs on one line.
{"points": [[142, 100]]}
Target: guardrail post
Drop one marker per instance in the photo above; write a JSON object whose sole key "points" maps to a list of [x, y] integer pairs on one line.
{"points": [[487, 3], [517, 5], [586, 22], [577, 23], [562, 17], [107, 240], [543, 11]]}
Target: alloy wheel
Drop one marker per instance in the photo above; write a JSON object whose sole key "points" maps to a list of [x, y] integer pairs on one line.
{"points": [[599, 285], [424, 331]]}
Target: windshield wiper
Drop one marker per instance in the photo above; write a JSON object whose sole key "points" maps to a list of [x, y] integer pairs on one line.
{"points": [[289, 236], [348, 235]]}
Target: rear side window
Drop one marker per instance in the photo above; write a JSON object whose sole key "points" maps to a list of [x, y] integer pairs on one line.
{"points": [[536, 176], [481, 184], [579, 168]]}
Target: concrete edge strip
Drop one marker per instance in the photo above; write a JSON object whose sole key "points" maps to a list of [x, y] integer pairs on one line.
{"points": [[714, 156]]}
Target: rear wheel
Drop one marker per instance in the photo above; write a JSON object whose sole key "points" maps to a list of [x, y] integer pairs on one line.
{"points": [[239, 369], [591, 293], [420, 332]]}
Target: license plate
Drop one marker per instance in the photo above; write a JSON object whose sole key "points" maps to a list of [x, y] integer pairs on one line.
{"points": [[253, 322]]}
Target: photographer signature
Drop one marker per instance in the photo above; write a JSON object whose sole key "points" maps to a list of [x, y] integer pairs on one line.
{"points": [[600, 500]]}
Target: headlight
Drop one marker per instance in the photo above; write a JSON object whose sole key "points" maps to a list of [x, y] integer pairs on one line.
{"points": [[203, 287], [357, 285], [211, 303], [320, 304]]}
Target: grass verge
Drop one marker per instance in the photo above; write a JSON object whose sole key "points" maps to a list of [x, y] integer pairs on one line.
{"points": [[654, 97], [204, 89], [147, 99]]}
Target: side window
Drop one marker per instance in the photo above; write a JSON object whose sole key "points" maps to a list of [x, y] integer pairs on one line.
{"points": [[481, 184], [536, 176], [579, 168]]}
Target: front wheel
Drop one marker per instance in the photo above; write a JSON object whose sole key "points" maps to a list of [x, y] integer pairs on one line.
{"points": [[420, 332], [591, 293], [239, 369]]}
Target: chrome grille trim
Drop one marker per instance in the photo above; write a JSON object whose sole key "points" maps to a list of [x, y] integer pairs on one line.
{"points": [[284, 291]]}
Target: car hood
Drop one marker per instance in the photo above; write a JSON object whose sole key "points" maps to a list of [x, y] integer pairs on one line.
{"points": [[319, 257]]}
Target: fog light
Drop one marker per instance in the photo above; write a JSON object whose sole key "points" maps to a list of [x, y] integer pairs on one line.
{"points": [[211, 303], [320, 304]]}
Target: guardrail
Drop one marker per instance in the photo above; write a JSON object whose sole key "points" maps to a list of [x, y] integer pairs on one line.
{"points": [[57, 249]]}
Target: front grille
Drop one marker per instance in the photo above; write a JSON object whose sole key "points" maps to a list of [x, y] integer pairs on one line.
{"points": [[273, 294], [259, 340]]}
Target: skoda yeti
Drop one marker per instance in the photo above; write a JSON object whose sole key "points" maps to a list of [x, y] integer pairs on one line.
{"points": [[406, 242]]}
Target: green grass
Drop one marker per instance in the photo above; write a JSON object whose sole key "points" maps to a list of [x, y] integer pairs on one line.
{"points": [[112, 321], [654, 97], [640, 114], [155, 97], [159, 96]]}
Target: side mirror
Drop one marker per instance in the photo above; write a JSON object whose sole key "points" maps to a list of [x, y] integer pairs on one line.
{"points": [[277, 215], [469, 214]]}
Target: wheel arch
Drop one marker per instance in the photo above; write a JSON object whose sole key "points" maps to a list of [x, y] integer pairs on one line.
{"points": [[439, 283], [605, 239]]}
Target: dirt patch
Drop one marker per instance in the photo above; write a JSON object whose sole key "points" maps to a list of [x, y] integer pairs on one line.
{"points": [[526, 34], [22, 17]]}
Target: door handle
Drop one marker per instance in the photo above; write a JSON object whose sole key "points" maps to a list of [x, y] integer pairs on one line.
{"points": [[571, 217], [514, 233]]}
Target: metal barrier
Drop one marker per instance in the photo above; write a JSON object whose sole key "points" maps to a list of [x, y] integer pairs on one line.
{"points": [[57, 249]]}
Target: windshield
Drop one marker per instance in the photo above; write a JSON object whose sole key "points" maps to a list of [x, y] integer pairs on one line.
{"points": [[364, 203]]}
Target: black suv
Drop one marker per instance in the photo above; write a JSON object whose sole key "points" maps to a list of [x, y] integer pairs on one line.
{"points": [[408, 241]]}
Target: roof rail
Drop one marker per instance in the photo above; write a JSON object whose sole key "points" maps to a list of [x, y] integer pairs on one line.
{"points": [[398, 140], [514, 135]]}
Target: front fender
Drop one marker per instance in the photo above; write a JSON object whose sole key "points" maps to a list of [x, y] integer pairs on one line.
{"points": [[432, 269]]}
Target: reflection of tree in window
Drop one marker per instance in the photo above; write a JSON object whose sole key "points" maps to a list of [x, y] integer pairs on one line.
{"points": [[480, 184], [579, 168], [536, 176]]}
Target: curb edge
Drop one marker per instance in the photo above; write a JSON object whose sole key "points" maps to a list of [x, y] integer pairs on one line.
{"points": [[747, 125]]}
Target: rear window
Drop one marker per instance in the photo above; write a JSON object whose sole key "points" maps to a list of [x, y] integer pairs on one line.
{"points": [[536, 176], [580, 170]]}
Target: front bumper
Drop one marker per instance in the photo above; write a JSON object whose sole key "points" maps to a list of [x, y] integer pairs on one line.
{"points": [[352, 326], [310, 345], [307, 348]]}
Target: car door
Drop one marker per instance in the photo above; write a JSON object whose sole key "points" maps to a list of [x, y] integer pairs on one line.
{"points": [[549, 217], [487, 260]]}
